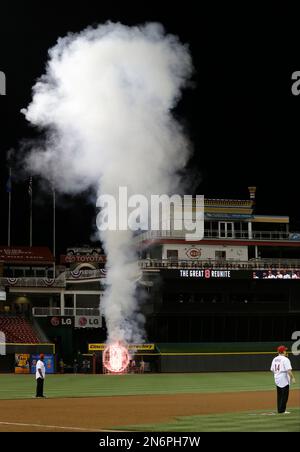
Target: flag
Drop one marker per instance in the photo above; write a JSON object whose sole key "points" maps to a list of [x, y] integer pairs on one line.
{"points": [[30, 187], [8, 185]]}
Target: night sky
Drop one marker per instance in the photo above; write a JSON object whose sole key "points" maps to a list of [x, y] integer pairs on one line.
{"points": [[240, 115]]}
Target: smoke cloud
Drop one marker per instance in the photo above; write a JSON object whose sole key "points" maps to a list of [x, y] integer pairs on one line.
{"points": [[105, 103]]}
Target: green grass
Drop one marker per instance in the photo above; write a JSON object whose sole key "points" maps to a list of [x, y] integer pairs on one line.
{"points": [[258, 421], [68, 385], [23, 386]]}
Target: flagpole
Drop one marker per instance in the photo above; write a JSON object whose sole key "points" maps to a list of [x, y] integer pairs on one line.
{"points": [[9, 209], [30, 218], [54, 226], [30, 221]]}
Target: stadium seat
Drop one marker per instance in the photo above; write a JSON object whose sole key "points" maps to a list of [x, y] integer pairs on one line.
{"points": [[18, 330]]}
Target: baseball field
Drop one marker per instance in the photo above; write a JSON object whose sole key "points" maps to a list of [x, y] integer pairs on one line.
{"points": [[203, 402]]}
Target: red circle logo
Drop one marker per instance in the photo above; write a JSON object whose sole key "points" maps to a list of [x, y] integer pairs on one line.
{"points": [[193, 253], [82, 321], [54, 321]]}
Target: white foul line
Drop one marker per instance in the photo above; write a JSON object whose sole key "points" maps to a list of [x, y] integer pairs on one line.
{"points": [[19, 424]]}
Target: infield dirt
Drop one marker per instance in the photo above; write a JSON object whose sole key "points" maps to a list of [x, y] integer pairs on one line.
{"points": [[105, 413]]}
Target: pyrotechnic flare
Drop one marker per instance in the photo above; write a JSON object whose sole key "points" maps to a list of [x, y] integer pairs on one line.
{"points": [[115, 357]]}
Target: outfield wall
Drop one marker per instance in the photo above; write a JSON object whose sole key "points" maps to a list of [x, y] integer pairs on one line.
{"points": [[30, 348], [220, 357], [7, 361], [220, 362]]}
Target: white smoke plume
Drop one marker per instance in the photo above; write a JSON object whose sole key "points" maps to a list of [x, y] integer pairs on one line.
{"points": [[105, 103]]}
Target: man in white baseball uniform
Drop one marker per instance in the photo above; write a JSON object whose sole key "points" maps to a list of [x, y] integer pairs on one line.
{"points": [[282, 370], [40, 373]]}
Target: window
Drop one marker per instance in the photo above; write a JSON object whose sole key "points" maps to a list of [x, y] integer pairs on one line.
{"points": [[172, 254], [40, 272], [220, 255], [226, 230]]}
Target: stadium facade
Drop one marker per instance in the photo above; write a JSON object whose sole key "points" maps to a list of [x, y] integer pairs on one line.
{"points": [[240, 283]]}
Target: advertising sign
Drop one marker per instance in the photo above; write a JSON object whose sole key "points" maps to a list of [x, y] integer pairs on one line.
{"points": [[207, 273], [83, 321], [22, 363], [83, 258], [48, 361], [61, 321], [136, 347], [25, 254]]}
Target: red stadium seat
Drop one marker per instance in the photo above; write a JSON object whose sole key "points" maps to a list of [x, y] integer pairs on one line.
{"points": [[18, 330]]}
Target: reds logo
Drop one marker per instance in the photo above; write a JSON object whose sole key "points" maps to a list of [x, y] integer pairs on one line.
{"points": [[54, 321], [82, 321], [193, 253]]}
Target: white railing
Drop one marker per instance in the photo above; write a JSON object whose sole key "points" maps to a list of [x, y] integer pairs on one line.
{"points": [[59, 282], [69, 312], [216, 234], [255, 264]]}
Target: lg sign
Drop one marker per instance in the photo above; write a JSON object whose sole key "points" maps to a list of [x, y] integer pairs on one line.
{"points": [[88, 322], [80, 321], [61, 321]]}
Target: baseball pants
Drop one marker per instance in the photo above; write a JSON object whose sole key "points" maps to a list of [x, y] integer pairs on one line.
{"points": [[39, 387], [282, 398]]}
